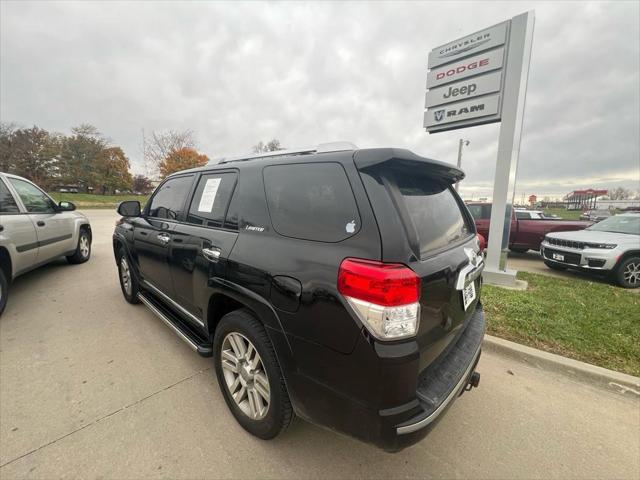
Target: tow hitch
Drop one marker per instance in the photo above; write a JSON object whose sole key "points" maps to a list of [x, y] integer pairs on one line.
{"points": [[474, 381]]}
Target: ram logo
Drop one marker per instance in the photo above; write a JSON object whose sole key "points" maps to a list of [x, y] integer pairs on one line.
{"points": [[438, 115]]}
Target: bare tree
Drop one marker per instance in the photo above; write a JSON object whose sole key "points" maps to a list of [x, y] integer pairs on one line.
{"points": [[161, 144], [270, 146], [619, 193]]}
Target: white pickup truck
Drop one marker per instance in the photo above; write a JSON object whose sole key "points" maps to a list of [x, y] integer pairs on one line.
{"points": [[34, 230]]}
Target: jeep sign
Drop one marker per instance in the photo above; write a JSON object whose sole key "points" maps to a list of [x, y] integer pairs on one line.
{"points": [[464, 90], [467, 76]]}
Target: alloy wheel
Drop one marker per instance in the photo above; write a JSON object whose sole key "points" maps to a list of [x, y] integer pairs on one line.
{"points": [[84, 246], [125, 275], [245, 376], [631, 273]]}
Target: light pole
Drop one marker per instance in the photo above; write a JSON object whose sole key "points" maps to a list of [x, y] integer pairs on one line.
{"points": [[460, 144]]}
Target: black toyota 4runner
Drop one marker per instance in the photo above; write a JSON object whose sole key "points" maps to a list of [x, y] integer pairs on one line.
{"points": [[336, 284]]}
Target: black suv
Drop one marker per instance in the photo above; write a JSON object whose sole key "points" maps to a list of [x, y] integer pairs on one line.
{"points": [[336, 283]]}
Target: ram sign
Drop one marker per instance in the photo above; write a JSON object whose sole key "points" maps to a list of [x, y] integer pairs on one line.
{"points": [[466, 80]]}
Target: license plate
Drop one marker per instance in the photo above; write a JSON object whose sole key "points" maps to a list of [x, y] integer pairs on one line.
{"points": [[557, 256], [468, 294]]}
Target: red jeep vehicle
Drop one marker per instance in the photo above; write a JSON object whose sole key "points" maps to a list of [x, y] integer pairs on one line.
{"points": [[528, 228]]}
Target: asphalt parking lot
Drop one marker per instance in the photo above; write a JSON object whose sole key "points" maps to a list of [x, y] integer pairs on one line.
{"points": [[92, 387]]}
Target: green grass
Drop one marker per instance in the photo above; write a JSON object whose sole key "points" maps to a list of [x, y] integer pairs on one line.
{"points": [[563, 213], [588, 321], [89, 200]]}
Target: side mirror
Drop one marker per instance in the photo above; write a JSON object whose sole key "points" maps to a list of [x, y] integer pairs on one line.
{"points": [[66, 206], [130, 208]]}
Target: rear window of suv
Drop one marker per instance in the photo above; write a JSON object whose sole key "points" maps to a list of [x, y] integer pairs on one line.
{"points": [[434, 210], [311, 201]]}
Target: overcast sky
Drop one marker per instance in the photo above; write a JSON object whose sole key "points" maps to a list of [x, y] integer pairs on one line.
{"points": [[237, 73]]}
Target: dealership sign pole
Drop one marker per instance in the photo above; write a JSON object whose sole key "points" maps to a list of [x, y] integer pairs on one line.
{"points": [[479, 79]]}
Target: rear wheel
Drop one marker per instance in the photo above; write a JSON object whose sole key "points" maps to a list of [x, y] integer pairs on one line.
{"points": [[128, 280], [555, 266], [628, 273], [518, 249], [4, 290], [250, 377], [83, 249]]}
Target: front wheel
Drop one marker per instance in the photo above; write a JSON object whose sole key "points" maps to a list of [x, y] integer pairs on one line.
{"points": [[250, 377], [128, 280], [627, 274], [83, 249], [555, 266]]}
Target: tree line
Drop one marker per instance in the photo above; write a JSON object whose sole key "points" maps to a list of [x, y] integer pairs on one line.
{"points": [[88, 161]]}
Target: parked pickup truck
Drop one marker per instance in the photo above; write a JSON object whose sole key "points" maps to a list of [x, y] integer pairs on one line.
{"points": [[528, 228]]}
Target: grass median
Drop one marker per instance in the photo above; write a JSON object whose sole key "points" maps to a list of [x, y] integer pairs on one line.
{"points": [[588, 321], [90, 200]]}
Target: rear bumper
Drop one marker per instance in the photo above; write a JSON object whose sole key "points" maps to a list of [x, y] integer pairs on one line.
{"points": [[408, 417]]}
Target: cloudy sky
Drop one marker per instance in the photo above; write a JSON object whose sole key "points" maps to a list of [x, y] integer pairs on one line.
{"points": [[237, 73]]}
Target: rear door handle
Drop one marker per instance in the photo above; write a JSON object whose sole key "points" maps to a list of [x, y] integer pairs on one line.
{"points": [[211, 254], [40, 223], [164, 238]]}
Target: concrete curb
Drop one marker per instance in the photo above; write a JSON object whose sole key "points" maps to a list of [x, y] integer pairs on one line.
{"points": [[580, 371]]}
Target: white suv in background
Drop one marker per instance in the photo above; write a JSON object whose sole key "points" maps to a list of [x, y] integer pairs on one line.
{"points": [[34, 230], [611, 246]]}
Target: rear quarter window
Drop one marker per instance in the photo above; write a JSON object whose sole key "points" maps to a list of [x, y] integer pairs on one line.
{"points": [[311, 201]]}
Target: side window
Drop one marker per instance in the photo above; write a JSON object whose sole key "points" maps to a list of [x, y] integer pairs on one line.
{"points": [[168, 201], [232, 220], [34, 199], [7, 202], [211, 198], [535, 216], [311, 201], [523, 215]]}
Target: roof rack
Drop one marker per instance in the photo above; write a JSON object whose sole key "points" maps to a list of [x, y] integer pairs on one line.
{"points": [[321, 148]]}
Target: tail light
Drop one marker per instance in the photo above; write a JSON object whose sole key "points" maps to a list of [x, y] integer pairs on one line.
{"points": [[384, 296], [482, 243]]}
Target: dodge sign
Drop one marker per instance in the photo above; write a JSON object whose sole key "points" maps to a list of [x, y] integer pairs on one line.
{"points": [[466, 75]]}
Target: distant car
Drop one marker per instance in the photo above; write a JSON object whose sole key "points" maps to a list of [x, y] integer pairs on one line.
{"points": [[611, 246], [595, 215], [528, 227], [35, 230]]}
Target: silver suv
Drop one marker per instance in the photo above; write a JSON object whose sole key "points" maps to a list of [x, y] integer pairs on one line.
{"points": [[611, 246], [34, 230]]}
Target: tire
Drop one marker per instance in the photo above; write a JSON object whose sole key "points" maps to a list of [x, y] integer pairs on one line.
{"points": [[235, 376], [83, 249], [4, 291], [518, 250], [555, 266], [127, 277], [627, 275]]}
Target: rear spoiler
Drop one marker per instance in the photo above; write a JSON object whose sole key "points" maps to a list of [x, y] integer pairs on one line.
{"points": [[406, 160]]}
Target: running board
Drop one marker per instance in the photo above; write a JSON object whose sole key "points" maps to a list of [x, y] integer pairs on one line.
{"points": [[178, 327]]}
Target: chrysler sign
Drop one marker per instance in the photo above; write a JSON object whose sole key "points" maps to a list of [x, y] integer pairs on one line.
{"points": [[470, 45], [466, 75]]}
